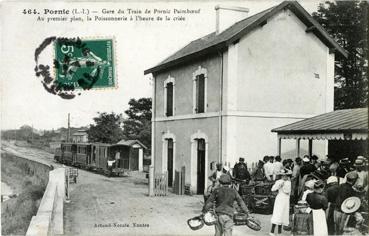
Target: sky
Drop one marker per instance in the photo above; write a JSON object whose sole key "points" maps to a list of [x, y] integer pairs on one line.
{"points": [[139, 46]]}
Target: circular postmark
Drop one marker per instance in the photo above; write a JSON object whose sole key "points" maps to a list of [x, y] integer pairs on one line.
{"points": [[77, 64]]}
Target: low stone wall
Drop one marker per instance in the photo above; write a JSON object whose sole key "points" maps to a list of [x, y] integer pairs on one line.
{"points": [[14, 167], [28, 180], [49, 218]]}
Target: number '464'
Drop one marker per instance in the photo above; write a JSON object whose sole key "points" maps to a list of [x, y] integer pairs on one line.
{"points": [[30, 11]]}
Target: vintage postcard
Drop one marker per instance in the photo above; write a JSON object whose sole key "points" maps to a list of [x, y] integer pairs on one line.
{"points": [[225, 117]]}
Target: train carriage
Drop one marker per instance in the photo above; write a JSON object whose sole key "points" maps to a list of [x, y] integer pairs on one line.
{"points": [[69, 151], [99, 160], [58, 155], [83, 155], [109, 159]]}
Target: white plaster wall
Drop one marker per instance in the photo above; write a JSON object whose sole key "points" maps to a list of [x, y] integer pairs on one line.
{"points": [[183, 130], [277, 67], [255, 140], [183, 94]]}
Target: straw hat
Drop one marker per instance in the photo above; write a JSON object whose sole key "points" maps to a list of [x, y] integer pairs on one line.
{"points": [[332, 179], [350, 205], [345, 161], [305, 159], [360, 158], [359, 163]]}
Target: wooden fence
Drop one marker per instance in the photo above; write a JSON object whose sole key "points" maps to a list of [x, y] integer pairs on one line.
{"points": [[161, 184]]}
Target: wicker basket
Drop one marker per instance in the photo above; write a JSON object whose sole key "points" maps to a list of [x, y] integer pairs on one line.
{"points": [[210, 218], [195, 223], [240, 219]]}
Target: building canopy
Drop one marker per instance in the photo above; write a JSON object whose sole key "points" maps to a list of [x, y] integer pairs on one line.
{"points": [[130, 143], [348, 124]]}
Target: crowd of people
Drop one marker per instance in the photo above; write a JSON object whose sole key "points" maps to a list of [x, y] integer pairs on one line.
{"points": [[331, 192]]}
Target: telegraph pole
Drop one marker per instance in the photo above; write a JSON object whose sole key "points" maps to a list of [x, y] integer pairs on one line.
{"points": [[68, 138], [32, 134]]}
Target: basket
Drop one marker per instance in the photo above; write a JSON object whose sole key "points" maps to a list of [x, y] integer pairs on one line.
{"points": [[253, 223], [209, 218], [240, 219], [246, 189], [195, 223], [263, 189]]}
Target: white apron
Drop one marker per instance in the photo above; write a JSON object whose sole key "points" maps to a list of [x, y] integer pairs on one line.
{"points": [[320, 223], [282, 203]]}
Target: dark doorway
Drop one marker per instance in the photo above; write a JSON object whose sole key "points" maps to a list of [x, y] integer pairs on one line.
{"points": [[94, 154], [134, 159], [170, 162], [200, 166]]}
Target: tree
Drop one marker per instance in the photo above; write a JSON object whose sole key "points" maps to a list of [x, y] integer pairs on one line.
{"points": [[347, 23], [138, 124], [107, 128]]}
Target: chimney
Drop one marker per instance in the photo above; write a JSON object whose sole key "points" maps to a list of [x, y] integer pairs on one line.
{"points": [[227, 16]]}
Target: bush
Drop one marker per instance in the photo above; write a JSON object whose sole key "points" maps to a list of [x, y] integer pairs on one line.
{"points": [[16, 214], [29, 180]]}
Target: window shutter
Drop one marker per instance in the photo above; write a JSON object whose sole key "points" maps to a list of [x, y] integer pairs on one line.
{"points": [[169, 111], [200, 93]]}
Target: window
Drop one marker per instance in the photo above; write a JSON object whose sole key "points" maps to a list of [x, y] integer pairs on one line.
{"points": [[199, 90], [200, 93], [82, 150], [169, 111], [169, 95]]}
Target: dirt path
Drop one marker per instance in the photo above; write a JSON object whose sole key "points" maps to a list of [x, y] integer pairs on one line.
{"points": [[120, 206], [29, 153], [111, 206]]}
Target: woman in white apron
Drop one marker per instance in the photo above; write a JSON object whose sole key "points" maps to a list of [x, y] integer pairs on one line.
{"points": [[318, 203], [281, 209]]}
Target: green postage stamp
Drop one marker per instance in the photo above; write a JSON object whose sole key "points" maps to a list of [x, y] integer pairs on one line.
{"points": [[85, 63], [78, 64]]}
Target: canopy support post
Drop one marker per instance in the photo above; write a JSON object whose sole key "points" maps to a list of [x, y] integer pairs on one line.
{"points": [[297, 147], [310, 147], [279, 146]]}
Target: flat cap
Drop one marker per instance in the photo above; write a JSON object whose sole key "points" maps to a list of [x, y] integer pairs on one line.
{"points": [[225, 179], [352, 175]]}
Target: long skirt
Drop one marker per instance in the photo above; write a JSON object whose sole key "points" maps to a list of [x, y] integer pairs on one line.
{"points": [[320, 223], [281, 210]]}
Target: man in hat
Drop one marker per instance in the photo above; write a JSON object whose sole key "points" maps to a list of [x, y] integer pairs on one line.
{"points": [[306, 167], [240, 171], [345, 191], [362, 172], [314, 160], [218, 172], [224, 197], [331, 193], [277, 167], [268, 168], [258, 175], [295, 180], [215, 180], [343, 167]]}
